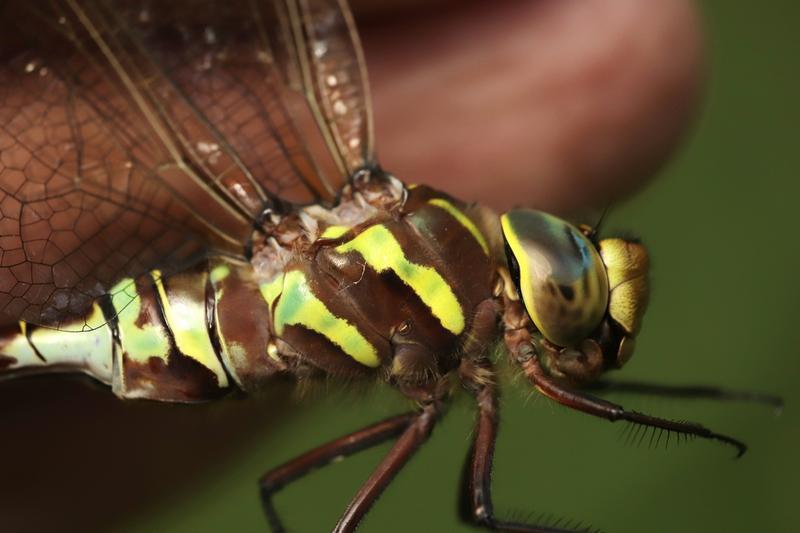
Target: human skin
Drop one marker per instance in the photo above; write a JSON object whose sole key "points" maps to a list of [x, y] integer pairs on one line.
{"points": [[557, 104]]}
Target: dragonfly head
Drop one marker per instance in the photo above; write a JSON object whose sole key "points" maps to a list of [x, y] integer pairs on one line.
{"points": [[586, 298]]}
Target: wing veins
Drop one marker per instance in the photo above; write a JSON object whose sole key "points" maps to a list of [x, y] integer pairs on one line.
{"points": [[270, 58], [158, 128], [108, 125], [295, 30], [217, 135], [358, 49], [282, 146], [124, 127]]}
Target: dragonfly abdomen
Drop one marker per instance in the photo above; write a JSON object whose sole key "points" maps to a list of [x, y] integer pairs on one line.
{"points": [[29, 349], [185, 337]]}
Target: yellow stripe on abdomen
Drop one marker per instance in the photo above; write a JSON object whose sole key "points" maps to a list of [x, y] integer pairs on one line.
{"points": [[76, 347], [140, 340], [186, 318]]}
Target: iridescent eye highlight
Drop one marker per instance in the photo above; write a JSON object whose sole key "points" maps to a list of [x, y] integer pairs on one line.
{"points": [[559, 274]]}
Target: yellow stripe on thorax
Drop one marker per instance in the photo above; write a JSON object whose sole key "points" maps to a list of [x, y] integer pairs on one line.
{"points": [[463, 220], [334, 232], [382, 252], [298, 305], [219, 273], [272, 289]]}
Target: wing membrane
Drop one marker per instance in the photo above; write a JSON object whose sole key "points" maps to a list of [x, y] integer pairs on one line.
{"points": [[136, 136], [332, 72]]}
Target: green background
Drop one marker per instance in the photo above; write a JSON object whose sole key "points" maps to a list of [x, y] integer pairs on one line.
{"points": [[720, 223]]}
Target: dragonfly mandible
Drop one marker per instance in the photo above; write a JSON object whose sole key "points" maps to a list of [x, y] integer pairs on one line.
{"points": [[190, 204]]}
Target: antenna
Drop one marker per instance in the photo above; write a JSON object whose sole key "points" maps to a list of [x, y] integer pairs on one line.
{"points": [[591, 232], [602, 219]]}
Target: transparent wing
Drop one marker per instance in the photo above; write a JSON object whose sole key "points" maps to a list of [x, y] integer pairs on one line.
{"points": [[329, 66], [139, 135]]}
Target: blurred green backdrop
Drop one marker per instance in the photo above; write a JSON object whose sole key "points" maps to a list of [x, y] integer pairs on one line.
{"points": [[720, 224]]}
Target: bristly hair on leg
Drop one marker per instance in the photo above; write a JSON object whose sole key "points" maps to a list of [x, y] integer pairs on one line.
{"points": [[592, 405], [634, 434]]}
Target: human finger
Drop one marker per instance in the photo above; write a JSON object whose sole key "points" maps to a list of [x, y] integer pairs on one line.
{"points": [[556, 104]]}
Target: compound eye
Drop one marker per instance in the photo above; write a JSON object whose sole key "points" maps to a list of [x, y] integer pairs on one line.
{"points": [[559, 274]]}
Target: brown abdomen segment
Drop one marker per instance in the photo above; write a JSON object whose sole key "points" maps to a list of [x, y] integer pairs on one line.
{"points": [[186, 337]]}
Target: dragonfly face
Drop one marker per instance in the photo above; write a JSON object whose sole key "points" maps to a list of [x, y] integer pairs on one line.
{"points": [[587, 300], [190, 203]]}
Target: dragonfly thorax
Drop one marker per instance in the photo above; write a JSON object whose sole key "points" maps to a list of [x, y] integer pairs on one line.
{"points": [[387, 281]]}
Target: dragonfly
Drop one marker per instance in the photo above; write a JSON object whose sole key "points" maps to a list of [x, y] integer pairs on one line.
{"points": [[190, 205]]}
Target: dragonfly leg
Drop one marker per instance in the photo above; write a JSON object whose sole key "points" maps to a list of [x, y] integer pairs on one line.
{"points": [[681, 391], [595, 406], [415, 434], [476, 500], [279, 477]]}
